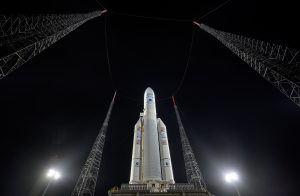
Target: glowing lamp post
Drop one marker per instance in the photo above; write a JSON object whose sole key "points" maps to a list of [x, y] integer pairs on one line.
{"points": [[52, 175], [231, 178]]}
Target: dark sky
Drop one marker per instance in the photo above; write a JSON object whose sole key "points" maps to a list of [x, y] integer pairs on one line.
{"points": [[53, 106]]}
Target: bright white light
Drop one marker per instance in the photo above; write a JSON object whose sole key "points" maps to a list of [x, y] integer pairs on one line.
{"points": [[57, 176], [231, 177], [53, 174]]}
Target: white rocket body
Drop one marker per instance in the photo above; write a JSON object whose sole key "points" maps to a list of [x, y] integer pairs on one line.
{"points": [[151, 160], [165, 157], [136, 153]]}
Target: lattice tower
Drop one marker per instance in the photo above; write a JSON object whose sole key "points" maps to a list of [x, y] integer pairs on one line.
{"points": [[277, 64], [193, 172], [87, 180], [23, 37]]}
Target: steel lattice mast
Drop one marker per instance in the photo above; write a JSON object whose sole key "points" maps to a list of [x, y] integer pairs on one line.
{"points": [[193, 172], [277, 64], [87, 180], [23, 37]]}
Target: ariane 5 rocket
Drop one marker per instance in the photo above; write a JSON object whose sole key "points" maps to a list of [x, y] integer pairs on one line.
{"points": [[151, 160]]}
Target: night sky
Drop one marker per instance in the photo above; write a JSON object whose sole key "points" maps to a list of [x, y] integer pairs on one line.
{"points": [[53, 106]]}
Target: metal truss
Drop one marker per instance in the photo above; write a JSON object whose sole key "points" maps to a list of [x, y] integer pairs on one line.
{"points": [[277, 64], [87, 180], [193, 173], [23, 37]]}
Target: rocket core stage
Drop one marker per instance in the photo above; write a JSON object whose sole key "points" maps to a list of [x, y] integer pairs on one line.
{"points": [[151, 160]]}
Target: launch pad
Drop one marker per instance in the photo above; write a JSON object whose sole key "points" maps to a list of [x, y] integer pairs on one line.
{"points": [[177, 189]]}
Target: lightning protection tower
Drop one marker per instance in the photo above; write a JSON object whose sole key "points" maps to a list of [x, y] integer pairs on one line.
{"points": [[193, 173], [277, 64], [87, 180], [23, 37]]}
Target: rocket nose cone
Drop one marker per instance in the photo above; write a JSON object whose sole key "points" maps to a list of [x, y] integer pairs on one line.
{"points": [[149, 90], [149, 95], [149, 99]]}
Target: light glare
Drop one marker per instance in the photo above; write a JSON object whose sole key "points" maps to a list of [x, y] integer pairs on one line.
{"points": [[227, 178], [231, 177], [57, 176], [234, 176], [53, 174]]}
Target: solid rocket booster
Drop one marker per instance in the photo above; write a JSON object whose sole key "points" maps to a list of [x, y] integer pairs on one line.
{"points": [[166, 165], [151, 160], [136, 152]]}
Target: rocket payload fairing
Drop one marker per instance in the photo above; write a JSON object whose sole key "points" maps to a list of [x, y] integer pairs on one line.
{"points": [[151, 160]]}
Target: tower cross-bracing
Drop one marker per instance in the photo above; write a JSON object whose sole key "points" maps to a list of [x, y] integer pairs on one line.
{"points": [[193, 173], [23, 37], [278, 64], [87, 180]]}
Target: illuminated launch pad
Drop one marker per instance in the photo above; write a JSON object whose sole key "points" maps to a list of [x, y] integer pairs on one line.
{"points": [[151, 166]]}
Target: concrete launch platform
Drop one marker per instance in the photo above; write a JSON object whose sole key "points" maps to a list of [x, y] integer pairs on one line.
{"points": [[181, 189]]}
